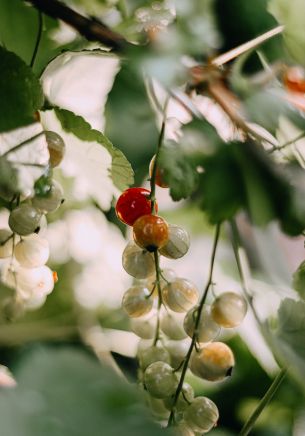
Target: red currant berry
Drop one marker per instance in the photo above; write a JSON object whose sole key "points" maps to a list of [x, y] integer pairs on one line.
{"points": [[132, 204], [159, 174], [150, 232]]}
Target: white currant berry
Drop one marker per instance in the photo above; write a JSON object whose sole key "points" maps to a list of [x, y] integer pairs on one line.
{"points": [[207, 327], [185, 398], [137, 302], [51, 201], [56, 147], [6, 243], [24, 219], [160, 380], [137, 262], [213, 361], [32, 251], [180, 295], [229, 309], [202, 415], [177, 351], [157, 407], [183, 429], [178, 243], [145, 328], [29, 282], [153, 354], [172, 325]]}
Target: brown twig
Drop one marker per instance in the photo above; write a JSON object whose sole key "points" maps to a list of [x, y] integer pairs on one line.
{"points": [[90, 28]]}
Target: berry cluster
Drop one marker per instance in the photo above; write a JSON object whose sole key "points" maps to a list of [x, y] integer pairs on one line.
{"points": [[27, 252], [165, 310]]}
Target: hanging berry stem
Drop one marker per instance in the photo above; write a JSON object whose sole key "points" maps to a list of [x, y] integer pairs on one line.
{"points": [[38, 38], [263, 403], [158, 284], [194, 338], [155, 166]]}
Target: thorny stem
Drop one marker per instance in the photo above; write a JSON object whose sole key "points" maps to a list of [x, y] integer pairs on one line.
{"points": [[16, 147], [38, 39], [194, 338], [92, 29], [263, 403], [158, 284]]}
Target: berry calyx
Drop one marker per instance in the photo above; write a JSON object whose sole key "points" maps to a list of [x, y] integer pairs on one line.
{"points": [[132, 204], [150, 232], [159, 178], [213, 362], [229, 309]]}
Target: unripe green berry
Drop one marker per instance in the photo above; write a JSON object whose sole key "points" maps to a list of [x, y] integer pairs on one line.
{"points": [[202, 415], [178, 243], [160, 380], [24, 219], [137, 302], [137, 262], [153, 354], [207, 327]]}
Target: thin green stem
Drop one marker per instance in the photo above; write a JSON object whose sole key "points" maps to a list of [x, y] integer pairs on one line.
{"points": [[38, 38], [158, 284], [23, 143], [236, 247], [197, 320], [290, 142], [154, 170], [263, 403]]}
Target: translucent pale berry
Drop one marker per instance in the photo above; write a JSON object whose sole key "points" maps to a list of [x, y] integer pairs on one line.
{"points": [[56, 147], [32, 251], [213, 362], [207, 328], [29, 282], [144, 328], [177, 351], [137, 262], [183, 429], [150, 232], [172, 325], [24, 219], [51, 201], [202, 415], [160, 380], [184, 399], [133, 203], [152, 354], [159, 174], [178, 243], [294, 79], [6, 243], [180, 295], [229, 309], [157, 408], [136, 301]]}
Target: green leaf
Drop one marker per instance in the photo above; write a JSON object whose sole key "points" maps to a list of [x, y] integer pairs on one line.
{"points": [[20, 92], [67, 392], [179, 173], [298, 280], [292, 15], [121, 171], [290, 335]]}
